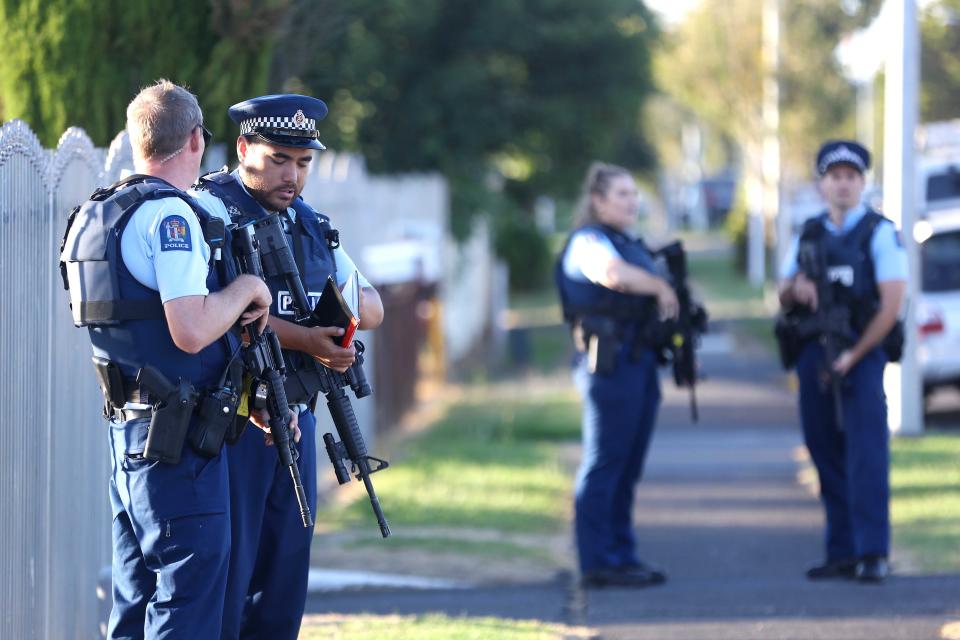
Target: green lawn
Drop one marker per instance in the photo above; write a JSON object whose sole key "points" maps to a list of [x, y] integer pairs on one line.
{"points": [[925, 483], [720, 282], [433, 627], [437, 543], [490, 463]]}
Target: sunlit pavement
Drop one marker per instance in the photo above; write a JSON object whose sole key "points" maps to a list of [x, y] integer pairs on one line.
{"points": [[722, 512]]}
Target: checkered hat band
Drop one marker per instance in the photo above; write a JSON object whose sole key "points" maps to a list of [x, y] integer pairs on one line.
{"points": [[841, 154], [254, 125]]}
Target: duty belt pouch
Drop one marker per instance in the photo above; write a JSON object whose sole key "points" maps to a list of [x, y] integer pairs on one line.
{"points": [[171, 415], [303, 384], [241, 414], [657, 335], [110, 380], [218, 410], [893, 343]]}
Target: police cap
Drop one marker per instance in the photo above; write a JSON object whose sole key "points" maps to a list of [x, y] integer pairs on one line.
{"points": [[286, 119], [846, 152]]}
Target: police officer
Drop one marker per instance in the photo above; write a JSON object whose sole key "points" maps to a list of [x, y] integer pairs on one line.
{"points": [[865, 273], [266, 592], [610, 292], [143, 279]]}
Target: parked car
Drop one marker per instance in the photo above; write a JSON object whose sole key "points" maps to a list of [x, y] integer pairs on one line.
{"points": [[939, 184], [938, 307]]}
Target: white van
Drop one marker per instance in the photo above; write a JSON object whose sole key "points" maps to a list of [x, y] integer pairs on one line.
{"points": [[938, 308]]}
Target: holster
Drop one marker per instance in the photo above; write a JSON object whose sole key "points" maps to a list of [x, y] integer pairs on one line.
{"points": [[893, 343], [169, 425], [110, 379], [173, 406], [598, 337], [789, 343]]}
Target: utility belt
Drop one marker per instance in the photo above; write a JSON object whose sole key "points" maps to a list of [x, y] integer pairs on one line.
{"points": [[178, 412], [602, 337]]}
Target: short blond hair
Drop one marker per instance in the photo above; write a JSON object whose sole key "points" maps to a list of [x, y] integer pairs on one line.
{"points": [[160, 119]]}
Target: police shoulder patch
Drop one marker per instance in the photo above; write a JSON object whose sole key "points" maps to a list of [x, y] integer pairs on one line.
{"points": [[175, 234]]}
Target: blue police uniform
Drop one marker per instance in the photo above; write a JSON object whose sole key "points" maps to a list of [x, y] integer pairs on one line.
{"points": [[171, 522], [270, 560], [852, 463], [619, 405]]}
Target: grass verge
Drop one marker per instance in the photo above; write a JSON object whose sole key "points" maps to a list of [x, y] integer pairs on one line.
{"points": [[490, 463], [730, 298], [721, 283], [445, 544], [433, 627], [925, 509]]}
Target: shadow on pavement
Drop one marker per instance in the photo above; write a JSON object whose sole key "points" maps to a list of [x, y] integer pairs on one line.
{"points": [[721, 510]]}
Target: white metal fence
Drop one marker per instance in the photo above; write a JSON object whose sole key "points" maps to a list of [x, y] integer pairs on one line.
{"points": [[53, 465], [54, 513]]}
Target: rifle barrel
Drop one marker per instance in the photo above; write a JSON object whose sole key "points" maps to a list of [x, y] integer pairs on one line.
{"points": [[364, 468]]}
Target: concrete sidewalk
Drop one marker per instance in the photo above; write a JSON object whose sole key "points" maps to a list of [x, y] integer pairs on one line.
{"points": [[722, 512]]}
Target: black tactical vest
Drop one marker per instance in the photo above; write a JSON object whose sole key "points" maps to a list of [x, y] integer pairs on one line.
{"points": [[580, 299], [849, 265], [311, 237], [125, 319]]}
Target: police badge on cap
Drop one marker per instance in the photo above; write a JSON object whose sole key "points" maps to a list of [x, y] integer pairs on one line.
{"points": [[842, 152], [287, 119]]}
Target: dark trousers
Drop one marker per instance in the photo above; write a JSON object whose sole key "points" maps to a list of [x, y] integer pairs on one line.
{"points": [[171, 540], [853, 464], [619, 411], [270, 558]]}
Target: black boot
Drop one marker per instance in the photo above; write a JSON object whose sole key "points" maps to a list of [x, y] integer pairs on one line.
{"points": [[872, 569], [640, 567], [833, 569], [622, 578]]}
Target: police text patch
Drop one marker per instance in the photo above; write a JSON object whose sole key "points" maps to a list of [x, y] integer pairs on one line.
{"points": [[285, 306], [175, 234]]}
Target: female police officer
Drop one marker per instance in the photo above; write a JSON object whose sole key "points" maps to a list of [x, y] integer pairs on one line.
{"points": [[609, 293]]}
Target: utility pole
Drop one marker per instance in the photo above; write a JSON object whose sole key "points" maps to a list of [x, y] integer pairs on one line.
{"points": [[762, 183], [901, 99], [772, 212]]}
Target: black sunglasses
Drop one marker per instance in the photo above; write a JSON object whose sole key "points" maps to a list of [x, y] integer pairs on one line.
{"points": [[207, 136]]}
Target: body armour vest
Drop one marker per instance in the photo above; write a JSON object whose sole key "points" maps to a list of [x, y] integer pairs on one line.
{"points": [[580, 299], [849, 264], [310, 236], [125, 319]]}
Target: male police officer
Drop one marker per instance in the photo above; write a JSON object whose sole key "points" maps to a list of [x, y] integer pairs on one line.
{"points": [[141, 278], [266, 592], [863, 272]]}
